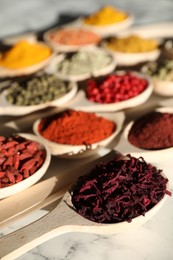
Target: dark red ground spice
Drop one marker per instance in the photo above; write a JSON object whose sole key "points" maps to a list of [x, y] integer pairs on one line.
{"points": [[119, 190], [76, 128], [152, 131]]}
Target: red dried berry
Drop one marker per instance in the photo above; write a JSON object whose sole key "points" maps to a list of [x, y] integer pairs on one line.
{"points": [[19, 158], [115, 88]]}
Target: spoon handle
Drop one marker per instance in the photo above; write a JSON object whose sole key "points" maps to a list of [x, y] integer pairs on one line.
{"points": [[61, 220], [23, 240], [23, 210]]}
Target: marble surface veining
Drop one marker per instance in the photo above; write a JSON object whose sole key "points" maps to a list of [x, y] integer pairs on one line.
{"points": [[152, 241]]}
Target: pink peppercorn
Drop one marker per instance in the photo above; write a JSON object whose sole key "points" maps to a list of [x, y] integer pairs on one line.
{"points": [[115, 88]]}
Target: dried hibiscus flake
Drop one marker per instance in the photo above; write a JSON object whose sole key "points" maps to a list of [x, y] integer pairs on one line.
{"points": [[119, 190]]}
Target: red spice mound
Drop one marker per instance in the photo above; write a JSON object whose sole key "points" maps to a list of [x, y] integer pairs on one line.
{"points": [[152, 131], [119, 190], [74, 37], [76, 128], [115, 88], [19, 159]]}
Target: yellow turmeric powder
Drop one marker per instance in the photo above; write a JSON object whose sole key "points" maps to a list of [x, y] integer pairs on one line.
{"points": [[24, 54], [106, 16], [132, 44]]}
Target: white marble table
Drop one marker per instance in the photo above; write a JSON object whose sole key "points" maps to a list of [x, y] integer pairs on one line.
{"points": [[152, 241]]}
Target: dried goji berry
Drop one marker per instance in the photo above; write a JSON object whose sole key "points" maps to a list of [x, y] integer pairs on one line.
{"points": [[5, 180], [33, 147], [11, 151], [2, 174], [20, 146], [2, 159], [40, 162], [19, 178], [8, 161], [25, 173], [19, 158], [25, 155], [33, 169], [28, 165], [38, 155], [16, 161], [10, 176], [9, 144]]}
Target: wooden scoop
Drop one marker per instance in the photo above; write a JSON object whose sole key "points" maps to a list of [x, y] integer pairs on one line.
{"points": [[61, 220]]}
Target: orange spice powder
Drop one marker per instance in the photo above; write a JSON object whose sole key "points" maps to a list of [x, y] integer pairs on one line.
{"points": [[76, 128]]}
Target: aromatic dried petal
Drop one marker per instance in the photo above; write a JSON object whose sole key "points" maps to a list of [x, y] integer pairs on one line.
{"points": [[119, 191]]}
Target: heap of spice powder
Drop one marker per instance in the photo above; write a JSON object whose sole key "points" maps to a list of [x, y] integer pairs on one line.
{"points": [[106, 16], [76, 128], [152, 131], [74, 36], [132, 44], [119, 190], [88, 61], [24, 54]]}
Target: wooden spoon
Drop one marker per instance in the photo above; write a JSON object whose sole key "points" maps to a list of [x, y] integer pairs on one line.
{"points": [[61, 220], [46, 191]]}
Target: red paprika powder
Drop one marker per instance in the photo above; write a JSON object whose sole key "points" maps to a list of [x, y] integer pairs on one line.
{"points": [[152, 131], [76, 128]]}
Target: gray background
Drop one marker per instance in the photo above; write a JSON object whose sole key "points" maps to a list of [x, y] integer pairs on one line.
{"points": [[26, 15]]}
